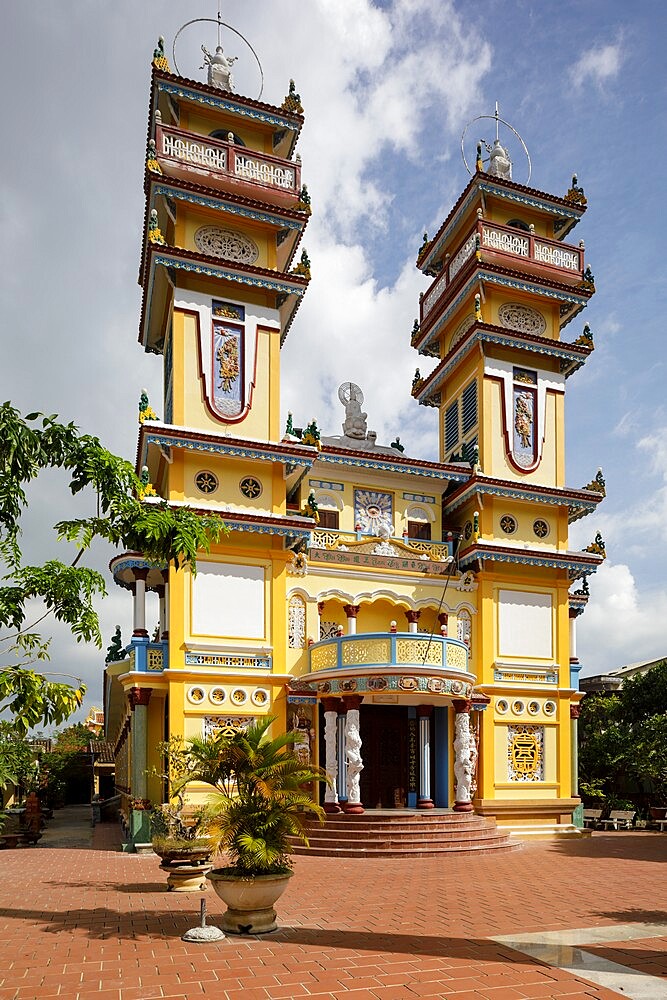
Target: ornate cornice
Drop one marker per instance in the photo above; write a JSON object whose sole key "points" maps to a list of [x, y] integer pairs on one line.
{"points": [[555, 496], [363, 460], [575, 563], [571, 356], [189, 439]]}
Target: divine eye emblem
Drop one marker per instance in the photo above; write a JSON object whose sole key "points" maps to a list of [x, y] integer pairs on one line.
{"points": [[541, 528], [507, 524], [467, 531], [206, 482], [250, 487]]}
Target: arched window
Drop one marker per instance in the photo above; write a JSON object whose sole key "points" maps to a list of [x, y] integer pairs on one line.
{"points": [[419, 522], [223, 136], [297, 622], [519, 224], [464, 627], [329, 510]]}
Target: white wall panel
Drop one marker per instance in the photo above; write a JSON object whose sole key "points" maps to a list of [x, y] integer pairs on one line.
{"points": [[525, 624], [228, 601]]}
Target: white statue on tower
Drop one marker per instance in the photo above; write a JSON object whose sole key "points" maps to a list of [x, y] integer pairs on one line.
{"points": [[352, 397], [219, 68]]}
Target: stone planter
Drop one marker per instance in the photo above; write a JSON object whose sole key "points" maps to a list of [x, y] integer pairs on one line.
{"points": [[249, 900], [186, 876], [10, 840]]}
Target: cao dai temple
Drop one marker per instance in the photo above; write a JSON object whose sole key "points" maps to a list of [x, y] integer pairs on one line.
{"points": [[414, 620]]}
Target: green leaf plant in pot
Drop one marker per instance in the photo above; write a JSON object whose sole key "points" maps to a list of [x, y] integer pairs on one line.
{"points": [[184, 838], [262, 801]]}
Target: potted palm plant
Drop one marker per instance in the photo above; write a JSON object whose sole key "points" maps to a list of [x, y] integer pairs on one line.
{"points": [[260, 803]]}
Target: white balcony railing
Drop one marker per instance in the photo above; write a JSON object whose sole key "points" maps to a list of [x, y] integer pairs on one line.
{"points": [[226, 159], [496, 241]]}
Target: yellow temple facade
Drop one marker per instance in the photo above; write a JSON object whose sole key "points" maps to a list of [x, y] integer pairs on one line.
{"points": [[413, 620]]}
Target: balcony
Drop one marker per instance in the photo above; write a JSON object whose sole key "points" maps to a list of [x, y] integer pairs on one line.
{"points": [[505, 246], [225, 165], [390, 664], [148, 657]]}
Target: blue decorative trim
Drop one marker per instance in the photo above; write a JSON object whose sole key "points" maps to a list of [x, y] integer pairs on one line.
{"points": [[228, 275], [258, 528], [225, 104], [221, 204], [229, 661], [514, 493], [319, 484], [523, 558], [524, 199], [418, 498], [221, 448], [479, 274], [501, 675], [369, 463]]}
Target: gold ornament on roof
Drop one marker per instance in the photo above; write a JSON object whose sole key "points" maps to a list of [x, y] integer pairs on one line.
{"points": [[151, 158], [576, 193], [292, 101], [160, 60], [597, 485]]}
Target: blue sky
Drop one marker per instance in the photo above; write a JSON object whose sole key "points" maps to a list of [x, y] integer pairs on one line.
{"points": [[387, 89]]}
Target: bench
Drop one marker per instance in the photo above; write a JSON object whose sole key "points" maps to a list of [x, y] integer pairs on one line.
{"points": [[619, 819], [592, 817]]}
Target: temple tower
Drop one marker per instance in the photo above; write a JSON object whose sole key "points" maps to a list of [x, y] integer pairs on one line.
{"points": [[506, 281]]}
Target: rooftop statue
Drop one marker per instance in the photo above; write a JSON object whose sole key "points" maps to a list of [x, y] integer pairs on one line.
{"points": [[352, 397], [219, 68], [500, 164]]}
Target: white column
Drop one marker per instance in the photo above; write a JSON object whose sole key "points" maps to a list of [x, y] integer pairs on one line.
{"points": [[351, 611], [353, 754], [331, 767], [140, 602], [463, 758], [164, 634], [161, 626], [341, 783], [424, 800], [573, 638]]}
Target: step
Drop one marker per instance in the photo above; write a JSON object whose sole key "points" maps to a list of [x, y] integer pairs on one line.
{"points": [[415, 828], [325, 832], [407, 853], [395, 844]]}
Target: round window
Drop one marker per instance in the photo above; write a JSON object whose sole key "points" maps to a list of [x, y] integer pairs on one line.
{"points": [[518, 707], [206, 482], [541, 528], [508, 524], [250, 487], [196, 695], [502, 706], [467, 531]]}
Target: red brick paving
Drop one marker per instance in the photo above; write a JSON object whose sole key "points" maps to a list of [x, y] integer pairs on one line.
{"points": [[80, 924]]}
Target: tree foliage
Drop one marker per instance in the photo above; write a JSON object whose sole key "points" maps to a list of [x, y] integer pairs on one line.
{"points": [[164, 535], [623, 739]]}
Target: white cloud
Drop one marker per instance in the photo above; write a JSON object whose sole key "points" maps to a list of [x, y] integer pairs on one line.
{"points": [[599, 64], [621, 624]]}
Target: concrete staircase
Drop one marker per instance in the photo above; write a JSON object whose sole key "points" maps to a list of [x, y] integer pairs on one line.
{"points": [[389, 833]]}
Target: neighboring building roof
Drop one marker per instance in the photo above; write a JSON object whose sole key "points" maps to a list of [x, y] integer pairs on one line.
{"points": [[103, 753], [613, 680]]}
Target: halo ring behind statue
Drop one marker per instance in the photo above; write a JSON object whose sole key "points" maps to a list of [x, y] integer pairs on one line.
{"points": [[499, 121], [348, 391], [220, 24]]}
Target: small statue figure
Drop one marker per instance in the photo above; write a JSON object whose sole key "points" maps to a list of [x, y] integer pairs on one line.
{"points": [[500, 164], [154, 233], [423, 246], [597, 546], [478, 308], [151, 158], [600, 480], [219, 69], [310, 508], [115, 648], [146, 411], [311, 435], [304, 199], [415, 330], [397, 445], [289, 427], [479, 163], [478, 247], [588, 279], [303, 267], [354, 425], [146, 488], [576, 192], [417, 379]]}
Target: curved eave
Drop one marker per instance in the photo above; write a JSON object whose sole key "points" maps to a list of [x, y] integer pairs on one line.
{"points": [[163, 436], [475, 273], [156, 185], [576, 563], [174, 259], [123, 569], [289, 528], [211, 97], [571, 356], [508, 190], [364, 460], [585, 499], [577, 604]]}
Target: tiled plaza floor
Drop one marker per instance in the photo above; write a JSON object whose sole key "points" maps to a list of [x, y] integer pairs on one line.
{"points": [[92, 922]]}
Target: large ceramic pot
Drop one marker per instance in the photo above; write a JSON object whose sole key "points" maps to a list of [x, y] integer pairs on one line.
{"points": [[249, 900]]}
